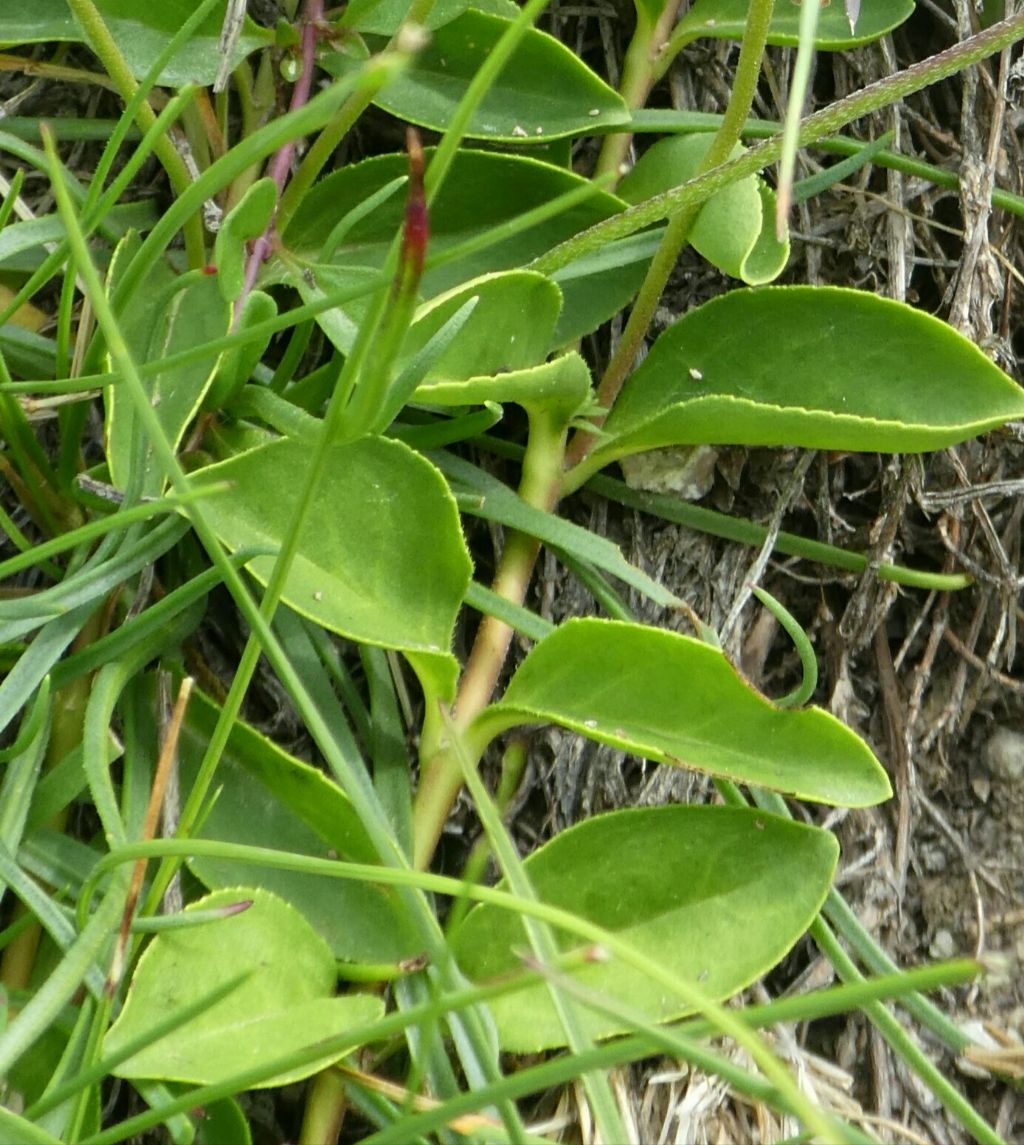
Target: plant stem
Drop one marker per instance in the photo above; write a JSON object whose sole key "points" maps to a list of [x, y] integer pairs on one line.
{"points": [[638, 77], [325, 1109], [748, 70], [543, 466], [281, 162], [106, 47], [442, 773]]}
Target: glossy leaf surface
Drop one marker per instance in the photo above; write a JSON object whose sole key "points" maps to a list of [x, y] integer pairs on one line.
{"points": [[727, 19], [484, 191], [686, 886], [819, 367], [544, 92], [287, 1002], [676, 700]]}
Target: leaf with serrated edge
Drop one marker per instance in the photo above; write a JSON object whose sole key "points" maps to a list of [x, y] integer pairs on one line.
{"points": [[818, 367]]}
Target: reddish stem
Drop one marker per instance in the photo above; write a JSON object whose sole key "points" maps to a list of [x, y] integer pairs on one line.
{"points": [[281, 163]]}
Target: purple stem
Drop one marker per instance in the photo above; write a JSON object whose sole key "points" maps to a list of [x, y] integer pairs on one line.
{"points": [[280, 164]]}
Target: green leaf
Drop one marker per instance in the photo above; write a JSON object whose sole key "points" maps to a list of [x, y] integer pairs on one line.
{"points": [[268, 798], [223, 1121], [383, 17], [510, 328], [190, 317], [735, 229], [676, 700], [563, 382], [141, 30], [286, 1004], [247, 219], [716, 895], [544, 92], [727, 19], [381, 559], [484, 191], [819, 367]]}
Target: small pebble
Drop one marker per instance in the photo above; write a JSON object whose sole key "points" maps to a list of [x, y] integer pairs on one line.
{"points": [[942, 945], [1005, 752]]}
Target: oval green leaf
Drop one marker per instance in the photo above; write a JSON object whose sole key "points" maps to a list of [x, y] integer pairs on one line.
{"points": [[735, 229], [675, 700], [819, 367], [381, 559], [484, 190], [510, 327], [141, 31], [717, 895], [286, 1004], [544, 92], [727, 19]]}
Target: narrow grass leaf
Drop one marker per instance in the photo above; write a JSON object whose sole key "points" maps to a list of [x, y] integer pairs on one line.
{"points": [[265, 794]]}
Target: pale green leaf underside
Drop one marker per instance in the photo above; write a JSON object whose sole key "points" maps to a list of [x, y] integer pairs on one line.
{"points": [[563, 382], [735, 229], [819, 367], [727, 19], [675, 700], [193, 316], [286, 1004], [687, 886]]}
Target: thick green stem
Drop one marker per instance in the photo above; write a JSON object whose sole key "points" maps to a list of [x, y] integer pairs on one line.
{"points": [[748, 70], [106, 47]]}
